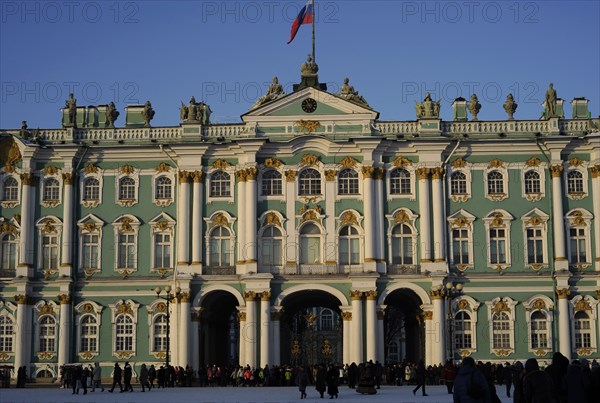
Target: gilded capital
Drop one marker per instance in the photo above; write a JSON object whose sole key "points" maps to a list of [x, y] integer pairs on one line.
{"points": [[369, 172], [379, 174], [437, 173], [241, 175], [28, 179], [436, 293], [330, 175], [290, 176], [242, 316], [563, 293], [346, 315], [64, 299], [251, 174], [21, 299], [250, 295], [68, 178], [356, 295], [428, 315], [198, 176], [556, 170], [185, 297], [423, 173], [371, 295], [595, 171], [265, 296], [185, 177]]}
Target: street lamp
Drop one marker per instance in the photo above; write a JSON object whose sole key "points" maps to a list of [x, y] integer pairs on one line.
{"points": [[452, 290], [167, 297]]}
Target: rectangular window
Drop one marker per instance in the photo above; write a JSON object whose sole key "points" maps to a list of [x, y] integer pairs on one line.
{"points": [[162, 251], [460, 246], [535, 246], [49, 252], [90, 251], [578, 252], [497, 246], [126, 259], [310, 252]]}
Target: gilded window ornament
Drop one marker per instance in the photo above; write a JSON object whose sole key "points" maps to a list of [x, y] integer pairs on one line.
{"points": [[458, 163], [575, 162], [87, 308], [539, 304], [496, 164], [501, 306], [48, 227], [90, 227], [309, 160], [8, 227], [533, 162], [577, 219], [348, 218], [348, 162], [498, 220], [272, 163], [463, 304], [460, 222], [50, 170], [534, 221], [90, 169], [126, 224], [272, 219], [124, 308], [401, 217], [220, 220], [310, 215], [127, 170], [162, 225], [582, 305], [162, 167], [221, 164], [46, 309], [402, 162]]}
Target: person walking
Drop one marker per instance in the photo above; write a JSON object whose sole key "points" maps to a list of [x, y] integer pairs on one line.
{"points": [[448, 374], [470, 384], [302, 381], [144, 378], [151, 376], [97, 377], [320, 380], [332, 382], [117, 376], [421, 376], [127, 375]]}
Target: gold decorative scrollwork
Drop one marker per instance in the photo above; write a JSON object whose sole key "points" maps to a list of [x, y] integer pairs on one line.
{"points": [[272, 219], [501, 353], [308, 126], [309, 160], [402, 162], [577, 219], [124, 355], [348, 218], [126, 224], [496, 164], [463, 304], [219, 220], [556, 170], [575, 162], [46, 309], [50, 170], [221, 164], [460, 222], [8, 227], [127, 169], [87, 308], [533, 162], [90, 169], [458, 163], [501, 306], [124, 308], [162, 167], [401, 217], [539, 304], [348, 162], [498, 220], [582, 305], [534, 221], [272, 163]]}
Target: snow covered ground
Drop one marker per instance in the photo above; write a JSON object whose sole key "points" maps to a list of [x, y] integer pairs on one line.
{"points": [[386, 394]]}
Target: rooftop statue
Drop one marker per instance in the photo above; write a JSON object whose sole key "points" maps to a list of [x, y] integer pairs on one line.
{"points": [[111, 115], [309, 68], [428, 108], [510, 106], [348, 92], [474, 106], [274, 92], [196, 112], [551, 102], [71, 106], [148, 113]]}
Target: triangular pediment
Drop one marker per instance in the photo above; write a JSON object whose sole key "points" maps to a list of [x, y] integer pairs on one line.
{"points": [[328, 107]]}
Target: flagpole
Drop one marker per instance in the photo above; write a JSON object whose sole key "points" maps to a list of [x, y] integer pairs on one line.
{"points": [[313, 31]]}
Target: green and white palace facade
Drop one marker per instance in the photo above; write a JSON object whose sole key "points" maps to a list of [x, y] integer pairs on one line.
{"points": [[311, 229]]}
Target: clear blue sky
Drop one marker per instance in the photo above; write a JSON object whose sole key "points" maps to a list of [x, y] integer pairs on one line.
{"points": [[226, 52]]}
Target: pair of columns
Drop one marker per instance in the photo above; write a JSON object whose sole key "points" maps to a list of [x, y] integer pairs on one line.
{"points": [[251, 329], [437, 253], [247, 225], [190, 214], [356, 348]]}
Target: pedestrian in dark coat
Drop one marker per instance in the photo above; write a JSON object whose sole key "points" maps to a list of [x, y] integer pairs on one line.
{"points": [[302, 381], [518, 374], [448, 375], [507, 377], [468, 374], [537, 385], [577, 384], [321, 380], [332, 382], [421, 377], [557, 371], [144, 378], [117, 377], [127, 375]]}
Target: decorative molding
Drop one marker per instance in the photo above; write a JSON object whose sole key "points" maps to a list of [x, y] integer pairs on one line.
{"points": [[162, 167], [50, 170], [582, 305], [576, 162], [330, 175], [220, 164], [402, 162], [127, 170], [496, 163], [123, 355], [556, 170], [290, 176], [272, 219], [309, 160], [401, 217], [90, 169], [308, 126], [219, 220], [348, 162], [273, 163], [502, 352], [458, 163], [533, 162], [348, 218], [501, 306]]}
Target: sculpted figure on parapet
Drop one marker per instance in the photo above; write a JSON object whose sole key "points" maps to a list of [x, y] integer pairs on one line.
{"points": [[71, 106], [148, 113], [348, 92], [197, 112], [112, 114], [551, 102], [428, 108], [274, 92]]}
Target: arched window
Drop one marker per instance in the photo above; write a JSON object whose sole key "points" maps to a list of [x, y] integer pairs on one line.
{"points": [[402, 245], [495, 183], [458, 184], [463, 331], [164, 188], [348, 182], [220, 184], [583, 330], [162, 250], [271, 246], [47, 340], [532, 182], [400, 182], [127, 188], [124, 334], [539, 330], [220, 247], [349, 246], [8, 251], [326, 319], [11, 189], [51, 189], [89, 334], [574, 182], [160, 333], [393, 352], [6, 334], [310, 244], [91, 189], [309, 182], [272, 184], [501, 331]]}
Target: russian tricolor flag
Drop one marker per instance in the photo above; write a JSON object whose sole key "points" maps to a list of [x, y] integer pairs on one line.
{"points": [[305, 16]]}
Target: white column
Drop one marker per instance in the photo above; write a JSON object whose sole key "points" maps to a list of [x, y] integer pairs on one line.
{"points": [[276, 345], [379, 215], [369, 203], [64, 332], [250, 333], [197, 218], [558, 226], [290, 256], [357, 327], [174, 331], [183, 219], [26, 247], [330, 256], [243, 340], [67, 232], [347, 322], [250, 216], [437, 193], [595, 172], [371, 313], [195, 339], [564, 324], [265, 329], [23, 330], [425, 216], [242, 215], [439, 335], [381, 334], [185, 319], [429, 337]]}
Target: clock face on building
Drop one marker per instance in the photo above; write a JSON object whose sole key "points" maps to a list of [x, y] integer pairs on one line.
{"points": [[309, 105]]}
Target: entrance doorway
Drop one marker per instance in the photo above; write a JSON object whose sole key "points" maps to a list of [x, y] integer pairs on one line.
{"points": [[404, 329], [219, 329]]}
